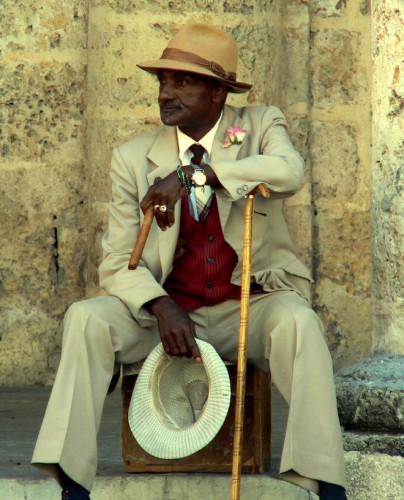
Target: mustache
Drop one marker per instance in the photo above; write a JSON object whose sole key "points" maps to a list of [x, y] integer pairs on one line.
{"points": [[169, 105]]}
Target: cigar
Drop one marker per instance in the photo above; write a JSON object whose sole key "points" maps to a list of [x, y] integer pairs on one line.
{"points": [[142, 238]]}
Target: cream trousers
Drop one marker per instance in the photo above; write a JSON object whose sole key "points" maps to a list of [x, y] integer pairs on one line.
{"points": [[100, 334]]}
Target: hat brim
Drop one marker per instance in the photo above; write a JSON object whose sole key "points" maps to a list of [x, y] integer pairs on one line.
{"points": [[150, 430], [169, 64]]}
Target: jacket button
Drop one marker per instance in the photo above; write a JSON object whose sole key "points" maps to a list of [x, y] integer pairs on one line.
{"points": [[209, 284], [245, 187], [239, 190]]}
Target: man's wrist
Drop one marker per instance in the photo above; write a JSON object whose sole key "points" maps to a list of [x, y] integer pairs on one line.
{"points": [[153, 306]]}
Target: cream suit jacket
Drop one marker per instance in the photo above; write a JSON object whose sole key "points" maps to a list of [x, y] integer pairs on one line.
{"points": [[266, 155]]}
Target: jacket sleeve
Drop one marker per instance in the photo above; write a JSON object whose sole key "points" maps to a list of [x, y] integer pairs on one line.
{"points": [[133, 287], [268, 156]]}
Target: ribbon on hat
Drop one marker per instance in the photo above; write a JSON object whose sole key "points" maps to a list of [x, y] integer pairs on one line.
{"points": [[190, 57]]}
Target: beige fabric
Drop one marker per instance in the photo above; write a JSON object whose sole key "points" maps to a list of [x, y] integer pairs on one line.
{"points": [[103, 332], [283, 329], [240, 169]]}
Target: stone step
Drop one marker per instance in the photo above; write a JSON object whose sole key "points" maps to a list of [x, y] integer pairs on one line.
{"points": [[161, 487], [370, 394]]}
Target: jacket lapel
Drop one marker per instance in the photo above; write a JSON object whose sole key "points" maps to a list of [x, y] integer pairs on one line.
{"points": [[164, 157], [221, 154]]}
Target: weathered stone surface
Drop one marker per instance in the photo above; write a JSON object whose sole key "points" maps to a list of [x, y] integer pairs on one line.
{"points": [[310, 58], [263, 71], [43, 234], [337, 74], [374, 476], [162, 487], [335, 161], [341, 313], [371, 394], [295, 68], [388, 177], [25, 346], [299, 219], [342, 240], [42, 110], [342, 281], [43, 195], [59, 24], [328, 8], [184, 6], [366, 442]]}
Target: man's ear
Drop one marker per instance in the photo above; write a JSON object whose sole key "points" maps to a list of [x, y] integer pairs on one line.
{"points": [[220, 93]]}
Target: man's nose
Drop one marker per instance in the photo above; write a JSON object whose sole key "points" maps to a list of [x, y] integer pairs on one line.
{"points": [[165, 91]]}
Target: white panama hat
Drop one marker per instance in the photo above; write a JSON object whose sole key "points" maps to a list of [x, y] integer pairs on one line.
{"points": [[178, 406]]}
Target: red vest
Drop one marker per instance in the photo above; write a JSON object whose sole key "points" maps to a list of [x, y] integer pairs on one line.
{"points": [[201, 274]]}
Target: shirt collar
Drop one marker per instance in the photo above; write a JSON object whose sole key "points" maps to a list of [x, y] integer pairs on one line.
{"points": [[184, 141]]}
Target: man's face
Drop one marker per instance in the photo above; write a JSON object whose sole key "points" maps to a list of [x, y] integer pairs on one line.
{"points": [[187, 100]]}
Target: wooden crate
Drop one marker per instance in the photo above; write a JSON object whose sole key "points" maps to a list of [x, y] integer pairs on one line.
{"points": [[217, 455]]}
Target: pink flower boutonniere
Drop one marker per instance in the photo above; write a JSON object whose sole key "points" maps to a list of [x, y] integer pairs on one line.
{"points": [[235, 135]]}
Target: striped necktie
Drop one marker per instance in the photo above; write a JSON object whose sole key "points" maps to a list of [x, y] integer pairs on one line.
{"points": [[203, 195]]}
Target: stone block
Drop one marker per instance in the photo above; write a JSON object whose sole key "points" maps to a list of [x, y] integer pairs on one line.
{"points": [[338, 75], [370, 394], [27, 339], [55, 25], [43, 234], [341, 244], [298, 9], [374, 476], [43, 110], [162, 486], [298, 132], [328, 8], [299, 220], [263, 71], [295, 67], [341, 312], [368, 442], [335, 161]]}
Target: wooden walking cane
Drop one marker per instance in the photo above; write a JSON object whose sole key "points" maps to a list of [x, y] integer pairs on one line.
{"points": [[243, 338]]}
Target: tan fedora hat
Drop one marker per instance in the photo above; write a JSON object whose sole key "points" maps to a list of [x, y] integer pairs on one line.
{"points": [[178, 406], [202, 49]]}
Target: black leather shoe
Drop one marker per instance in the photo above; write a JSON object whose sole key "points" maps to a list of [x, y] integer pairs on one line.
{"points": [[329, 491]]}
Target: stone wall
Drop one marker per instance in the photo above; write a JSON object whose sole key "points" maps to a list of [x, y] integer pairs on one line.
{"points": [[340, 151], [72, 91], [388, 176], [43, 207]]}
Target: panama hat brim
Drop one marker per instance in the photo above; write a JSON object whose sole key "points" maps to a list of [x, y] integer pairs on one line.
{"points": [[166, 64], [163, 434]]}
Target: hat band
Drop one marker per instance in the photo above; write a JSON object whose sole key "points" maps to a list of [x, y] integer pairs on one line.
{"points": [[190, 57]]}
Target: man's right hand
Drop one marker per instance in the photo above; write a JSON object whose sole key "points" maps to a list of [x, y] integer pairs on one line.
{"points": [[177, 330]]}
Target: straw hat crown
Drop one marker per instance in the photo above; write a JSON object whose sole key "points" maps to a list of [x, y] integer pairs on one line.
{"points": [[202, 49]]}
